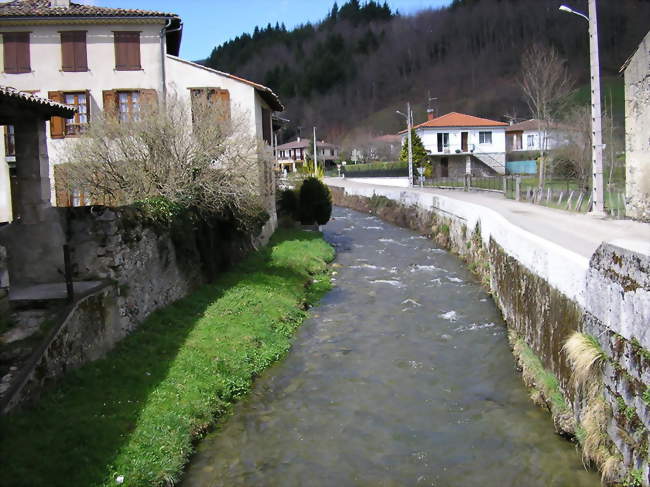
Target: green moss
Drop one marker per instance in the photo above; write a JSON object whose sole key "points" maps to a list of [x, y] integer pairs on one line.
{"points": [[137, 412], [633, 479]]}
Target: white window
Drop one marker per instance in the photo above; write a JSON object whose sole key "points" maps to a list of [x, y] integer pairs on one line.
{"points": [[79, 123], [530, 141], [129, 105], [485, 137]]}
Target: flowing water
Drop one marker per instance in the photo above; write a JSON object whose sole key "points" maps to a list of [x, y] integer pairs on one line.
{"points": [[402, 376]]}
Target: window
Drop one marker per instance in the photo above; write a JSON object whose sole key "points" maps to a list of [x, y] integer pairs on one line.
{"points": [[127, 51], [217, 97], [79, 123], [10, 141], [16, 52], [485, 137], [128, 105], [73, 51], [266, 126], [530, 140], [443, 141]]}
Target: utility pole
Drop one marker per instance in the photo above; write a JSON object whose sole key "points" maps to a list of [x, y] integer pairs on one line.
{"points": [[315, 154], [409, 114], [596, 115], [598, 191]]}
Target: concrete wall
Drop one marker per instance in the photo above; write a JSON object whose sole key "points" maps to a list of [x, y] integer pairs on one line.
{"points": [[546, 293], [637, 139]]}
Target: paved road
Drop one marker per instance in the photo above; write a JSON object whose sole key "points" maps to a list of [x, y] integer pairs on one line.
{"points": [[579, 233]]}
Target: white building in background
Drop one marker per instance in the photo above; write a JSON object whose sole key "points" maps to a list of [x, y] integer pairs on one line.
{"points": [[526, 136], [460, 144], [98, 59]]}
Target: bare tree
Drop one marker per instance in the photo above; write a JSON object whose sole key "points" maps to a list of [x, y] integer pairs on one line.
{"points": [[199, 156], [545, 83]]}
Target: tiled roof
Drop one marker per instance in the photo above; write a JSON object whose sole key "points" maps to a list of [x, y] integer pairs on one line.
{"points": [[455, 119], [533, 125], [304, 143], [43, 8], [28, 99]]}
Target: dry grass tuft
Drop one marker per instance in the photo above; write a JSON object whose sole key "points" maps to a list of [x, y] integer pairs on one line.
{"points": [[586, 357]]}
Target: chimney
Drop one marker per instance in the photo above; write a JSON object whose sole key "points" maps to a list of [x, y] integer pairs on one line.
{"points": [[430, 114], [60, 4]]}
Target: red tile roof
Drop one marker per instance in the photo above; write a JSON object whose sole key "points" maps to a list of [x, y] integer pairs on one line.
{"points": [[455, 119], [43, 8]]}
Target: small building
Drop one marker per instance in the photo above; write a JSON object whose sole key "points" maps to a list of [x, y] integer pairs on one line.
{"points": [[460, 144], [293, 154], [637, 141], [525, 136]]}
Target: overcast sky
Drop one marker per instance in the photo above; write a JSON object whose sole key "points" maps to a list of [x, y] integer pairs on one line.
{"points": [[208, 23]]}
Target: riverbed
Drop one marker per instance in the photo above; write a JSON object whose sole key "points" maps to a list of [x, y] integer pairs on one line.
{"points": [[402, 376]]}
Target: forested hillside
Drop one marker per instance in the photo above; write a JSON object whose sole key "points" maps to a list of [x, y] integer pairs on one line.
{"points": [[363, 61]]}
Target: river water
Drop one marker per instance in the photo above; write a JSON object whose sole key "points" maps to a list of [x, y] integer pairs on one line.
{"points": [[401, 377]]}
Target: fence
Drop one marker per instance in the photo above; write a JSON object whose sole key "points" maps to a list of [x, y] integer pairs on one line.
{"points": [[481, 183], [565, 194]]}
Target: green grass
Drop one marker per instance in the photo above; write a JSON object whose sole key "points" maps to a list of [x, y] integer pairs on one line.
{"points": [[137, 412]]}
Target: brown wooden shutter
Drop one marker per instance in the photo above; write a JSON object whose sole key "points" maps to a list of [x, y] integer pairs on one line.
{"points": [[127, 51], [148, 99], [16, 52], [266, 126], [110, 103], [57, 124], [223, 98], [67, 51], [80, 54]]}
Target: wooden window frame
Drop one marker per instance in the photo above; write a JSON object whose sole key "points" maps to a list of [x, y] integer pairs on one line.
{"points": [[130, 104], [75, 122], [482, 137], [19, 38], [122, 53], [79, 51]]}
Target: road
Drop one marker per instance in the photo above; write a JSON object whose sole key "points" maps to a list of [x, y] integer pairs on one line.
{"points": [[580, 233]]}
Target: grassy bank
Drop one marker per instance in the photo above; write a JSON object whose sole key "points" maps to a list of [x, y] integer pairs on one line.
{"points": [[136, 412]]}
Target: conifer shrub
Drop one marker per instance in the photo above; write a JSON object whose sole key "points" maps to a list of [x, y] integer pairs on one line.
{"points": [[315, 205], [288, 203]]}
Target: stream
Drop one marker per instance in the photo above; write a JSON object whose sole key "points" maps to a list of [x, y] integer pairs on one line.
{"points": [[402, 377]]}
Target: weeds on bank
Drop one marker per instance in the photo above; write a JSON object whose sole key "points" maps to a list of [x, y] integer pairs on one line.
{"points": [[137, 412]]}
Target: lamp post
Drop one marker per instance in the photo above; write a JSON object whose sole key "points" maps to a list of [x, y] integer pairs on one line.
{"points": [[598, 191], [409, 122]]}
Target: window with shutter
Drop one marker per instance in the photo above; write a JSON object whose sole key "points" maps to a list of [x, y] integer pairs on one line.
{"points": [[73, 51], [110, 103], [128, 105], [10, 141], [218, 97], [79, 123], [16, 52], [127, 51]]}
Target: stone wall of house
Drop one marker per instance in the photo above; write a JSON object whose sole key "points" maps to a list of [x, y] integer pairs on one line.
{"points": [[4, 282], [546, 294], [637, 138]]}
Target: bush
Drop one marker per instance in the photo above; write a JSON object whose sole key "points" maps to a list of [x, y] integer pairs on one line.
{"points": [[315, 202], [288, 203]]}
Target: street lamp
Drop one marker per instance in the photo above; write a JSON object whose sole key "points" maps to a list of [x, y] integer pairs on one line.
{"points": [[409, 121], [598, 192]]}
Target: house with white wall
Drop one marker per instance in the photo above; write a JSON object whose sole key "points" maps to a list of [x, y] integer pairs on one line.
{"points": [[460, 144], [98, 59], [293, 154], [526, 136]]}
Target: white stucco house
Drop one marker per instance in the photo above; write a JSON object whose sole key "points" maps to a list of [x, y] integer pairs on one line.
{"points": [[292, 154], [460, 144], [97, 59], [526, 136]]}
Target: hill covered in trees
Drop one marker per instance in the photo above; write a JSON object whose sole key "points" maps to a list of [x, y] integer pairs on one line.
{"points": [[360, 63]]}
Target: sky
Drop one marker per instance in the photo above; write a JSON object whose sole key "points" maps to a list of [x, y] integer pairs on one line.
{"points": [[208, 23]]}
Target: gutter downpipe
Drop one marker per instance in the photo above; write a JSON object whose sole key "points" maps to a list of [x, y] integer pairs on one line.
{"points": [[163, 33]]}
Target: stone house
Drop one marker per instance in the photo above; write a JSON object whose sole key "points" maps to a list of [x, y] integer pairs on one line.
{"points": [[460, 144], [97, 58], [637, 137]]}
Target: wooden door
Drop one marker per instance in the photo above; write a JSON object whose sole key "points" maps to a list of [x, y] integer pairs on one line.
{"points": [[463, 141]]}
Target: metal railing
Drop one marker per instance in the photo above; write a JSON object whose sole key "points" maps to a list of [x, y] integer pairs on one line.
{"points": [[468, 183]]}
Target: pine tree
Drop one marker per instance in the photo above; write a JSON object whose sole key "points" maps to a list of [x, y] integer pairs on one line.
{"points": [[420, 156]]}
